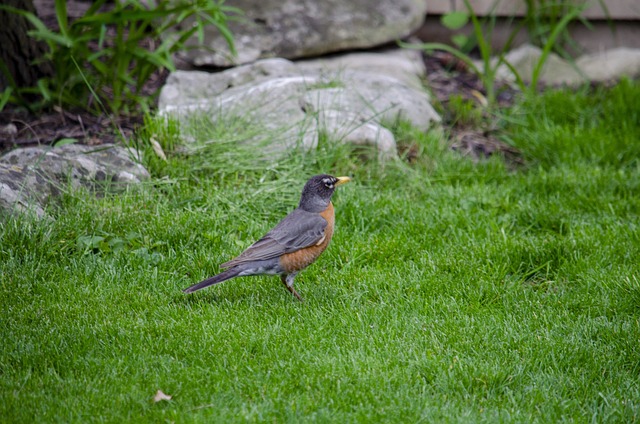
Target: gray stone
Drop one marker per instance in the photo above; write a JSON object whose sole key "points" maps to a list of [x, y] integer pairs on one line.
{"points": [[610, 65], [374, 97], [402, 64], [525, 59], [186, 85], [296, 102], [23, 191], [350, 128], [305, 28], [30, 176]]}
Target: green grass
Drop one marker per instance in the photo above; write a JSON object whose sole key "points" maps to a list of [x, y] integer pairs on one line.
{"points": [[452, 291]]}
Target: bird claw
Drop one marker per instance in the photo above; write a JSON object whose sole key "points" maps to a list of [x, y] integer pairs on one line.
{"points": [[288, 283]]}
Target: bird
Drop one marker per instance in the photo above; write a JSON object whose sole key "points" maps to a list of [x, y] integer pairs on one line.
{"points": [[293, 244]]}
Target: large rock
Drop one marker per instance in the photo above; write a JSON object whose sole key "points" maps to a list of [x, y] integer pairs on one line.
{"points": [[304, 28], [299, 102], [29, 177]]}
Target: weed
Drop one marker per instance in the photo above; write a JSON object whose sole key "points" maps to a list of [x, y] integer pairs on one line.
{"points": [[102, 60], [491, 60]]}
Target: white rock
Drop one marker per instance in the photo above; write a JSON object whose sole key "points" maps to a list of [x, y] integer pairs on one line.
{"points": [[610, 65], [290, 100], [554, 71]]}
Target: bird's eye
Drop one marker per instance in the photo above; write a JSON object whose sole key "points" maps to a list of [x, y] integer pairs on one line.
{"points": [[329, 182]]}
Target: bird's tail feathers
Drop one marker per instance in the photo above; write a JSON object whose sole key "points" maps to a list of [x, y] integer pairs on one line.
{"points": [[223, 276]]}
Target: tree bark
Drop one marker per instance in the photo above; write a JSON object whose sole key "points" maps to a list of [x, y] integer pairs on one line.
{"points": [[19, 52]]}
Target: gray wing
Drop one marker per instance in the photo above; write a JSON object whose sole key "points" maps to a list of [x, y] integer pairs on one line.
{"points": [[297, 230]]}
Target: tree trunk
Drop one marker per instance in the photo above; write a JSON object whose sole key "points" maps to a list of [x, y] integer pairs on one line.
{"points": [[19, 51]]}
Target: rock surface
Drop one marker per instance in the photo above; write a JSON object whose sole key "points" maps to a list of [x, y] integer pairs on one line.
{"points": [[30, 176], [611, 64], [298, 102], [600, 67], [304, 28], [404, 65]]}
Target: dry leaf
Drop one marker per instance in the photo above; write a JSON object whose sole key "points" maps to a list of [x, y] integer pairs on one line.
{"points": [[481, 98], [158, 148], [161, 396]]}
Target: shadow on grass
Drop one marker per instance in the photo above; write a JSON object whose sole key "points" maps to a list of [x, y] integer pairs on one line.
{"points": [[230, 298]]}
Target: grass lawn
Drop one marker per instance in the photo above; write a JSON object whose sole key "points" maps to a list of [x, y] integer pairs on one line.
{"points": [[451, 292]]}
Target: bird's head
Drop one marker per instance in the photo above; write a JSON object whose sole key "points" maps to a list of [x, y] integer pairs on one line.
{"points": [[317, 192]]}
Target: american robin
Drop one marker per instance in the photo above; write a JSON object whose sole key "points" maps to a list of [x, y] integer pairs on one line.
{"points": [[294, 244]]}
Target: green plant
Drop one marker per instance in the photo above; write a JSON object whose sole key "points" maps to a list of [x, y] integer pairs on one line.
{"points": [[103, 59], [456, 20], [557, 30], [542, 16], [492, 60], [482, 33], [464, 112]]}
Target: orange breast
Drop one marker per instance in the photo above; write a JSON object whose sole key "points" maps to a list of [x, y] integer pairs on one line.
{"points": [[300, 259]]}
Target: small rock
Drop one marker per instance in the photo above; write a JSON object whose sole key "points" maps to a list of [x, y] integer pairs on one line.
{"points": [[9, 130], [611, 64], [606, 66], [525, 58]]}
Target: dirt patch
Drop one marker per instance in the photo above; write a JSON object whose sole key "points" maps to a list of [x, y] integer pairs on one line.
{"points": [[22, 129]]}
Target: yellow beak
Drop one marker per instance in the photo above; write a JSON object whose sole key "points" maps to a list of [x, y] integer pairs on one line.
{"points": [[342, 180]]}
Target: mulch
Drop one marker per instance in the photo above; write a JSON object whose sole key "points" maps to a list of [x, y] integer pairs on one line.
{"points": [[22, 129]]}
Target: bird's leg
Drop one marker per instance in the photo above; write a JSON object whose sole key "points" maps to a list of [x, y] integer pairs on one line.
{"points": [[287, 280]]}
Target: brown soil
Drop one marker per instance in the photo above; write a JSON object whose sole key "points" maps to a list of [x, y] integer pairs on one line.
{"points": [[447, 77]]}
